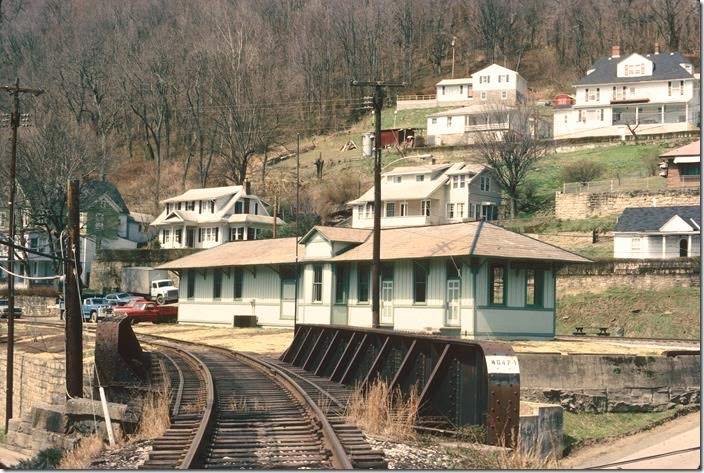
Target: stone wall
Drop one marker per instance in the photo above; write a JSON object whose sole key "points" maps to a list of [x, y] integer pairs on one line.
{"points": [[644, 274], [611, 383], [37, 378], [582, 205]]}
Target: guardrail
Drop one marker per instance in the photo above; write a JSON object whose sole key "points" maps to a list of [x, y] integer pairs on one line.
{"points": [[614, 185]]}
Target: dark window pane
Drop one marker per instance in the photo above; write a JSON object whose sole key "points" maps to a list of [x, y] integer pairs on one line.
{"points": [[420, 281], [363, 282], [496, 284], [217, 284]]}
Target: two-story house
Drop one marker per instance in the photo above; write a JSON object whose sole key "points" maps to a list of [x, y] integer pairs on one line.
{"points": [[492, 83], [106, 223], [203, 218], [431, 194], [488, 97], [643, 94]]}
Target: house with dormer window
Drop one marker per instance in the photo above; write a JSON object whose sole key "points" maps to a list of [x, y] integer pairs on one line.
{"points": [[208, 217], [650, 93], [431, 194]]}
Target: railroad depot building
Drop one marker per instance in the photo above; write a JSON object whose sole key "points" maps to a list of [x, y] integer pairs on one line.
{"points": [[473, 279]]}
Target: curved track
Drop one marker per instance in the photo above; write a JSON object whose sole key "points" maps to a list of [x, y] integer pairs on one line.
{"points": [[252, 416]]}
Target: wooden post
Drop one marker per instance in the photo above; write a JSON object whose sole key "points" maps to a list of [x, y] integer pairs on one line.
{"points": [[74, 318], [276, 213]]}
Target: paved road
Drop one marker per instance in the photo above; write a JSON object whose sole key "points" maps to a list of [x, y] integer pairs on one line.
{"points": [[679, 434]]}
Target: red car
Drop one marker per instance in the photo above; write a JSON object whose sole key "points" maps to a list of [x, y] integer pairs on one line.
{"points": [[146, 311]]}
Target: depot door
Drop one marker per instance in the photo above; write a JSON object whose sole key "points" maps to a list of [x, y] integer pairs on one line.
{"points": [[387, 303], [452, 308]]}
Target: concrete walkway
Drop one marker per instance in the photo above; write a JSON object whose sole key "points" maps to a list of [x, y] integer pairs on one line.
{"points": [[679, 434], [9, 458]]}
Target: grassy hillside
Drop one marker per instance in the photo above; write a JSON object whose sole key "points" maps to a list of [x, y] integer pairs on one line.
{"points": [[668, 313]]}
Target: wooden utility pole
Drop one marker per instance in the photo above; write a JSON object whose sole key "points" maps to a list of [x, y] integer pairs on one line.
{"points": [[74, 319], [15, 91], [298, 229], [378, 103]]}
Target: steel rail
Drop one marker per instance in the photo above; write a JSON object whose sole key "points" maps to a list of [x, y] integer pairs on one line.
{"points": [[339, 456], [192, 457], [179, 391], [649, 457]]}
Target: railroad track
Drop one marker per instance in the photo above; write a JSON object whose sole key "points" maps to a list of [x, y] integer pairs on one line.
{"points": [[235, 410], [260, 418]]}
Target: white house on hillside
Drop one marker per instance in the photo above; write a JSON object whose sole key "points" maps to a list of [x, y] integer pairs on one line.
{"points": [[431, 194], [473, 279], [203, 218], [651, 93], [658, 232], [493, 83]]}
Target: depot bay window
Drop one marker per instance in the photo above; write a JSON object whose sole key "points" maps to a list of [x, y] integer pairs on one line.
{"points": [[317, 283], [425, 207], [190, 284], [534, 287], [341, 284], [390, 209], [420, 281], [363, 275]]}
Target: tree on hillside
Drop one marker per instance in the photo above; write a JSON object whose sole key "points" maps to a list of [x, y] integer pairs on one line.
{"points": [[514, 152], [52, 153]]}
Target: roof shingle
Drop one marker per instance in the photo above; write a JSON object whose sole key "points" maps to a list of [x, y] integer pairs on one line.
{"points": [[650, 219]]}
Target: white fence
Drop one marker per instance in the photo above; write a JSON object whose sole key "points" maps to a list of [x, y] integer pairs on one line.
{"points": [[614, 185]]}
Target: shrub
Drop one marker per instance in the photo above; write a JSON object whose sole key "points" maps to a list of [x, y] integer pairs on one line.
{"points": [[582, 171]]}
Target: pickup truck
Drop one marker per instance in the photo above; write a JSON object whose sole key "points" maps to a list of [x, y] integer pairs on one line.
{"points": [[95, 308], [146, 311], [5, 310], [119, 298]]}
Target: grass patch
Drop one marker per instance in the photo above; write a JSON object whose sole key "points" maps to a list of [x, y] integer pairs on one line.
{"points": [[156, 417], [585, 428], [668, 313], [545, 223], [380, 412], [412, 118], [617, 161], [83, 454]]}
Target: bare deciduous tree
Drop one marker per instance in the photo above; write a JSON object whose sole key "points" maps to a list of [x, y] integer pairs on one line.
{"points": [[513, 152]]}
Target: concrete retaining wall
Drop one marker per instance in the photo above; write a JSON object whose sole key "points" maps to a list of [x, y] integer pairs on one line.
{"points": [[541, 429], [610, 383], [583, 205]]}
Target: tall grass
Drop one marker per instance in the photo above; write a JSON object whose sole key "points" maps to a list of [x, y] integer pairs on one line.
{"points": [[156, 417], [81, 456], [378, 411]]}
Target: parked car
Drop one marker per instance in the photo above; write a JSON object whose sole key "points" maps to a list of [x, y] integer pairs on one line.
{"points": [[118, 298], [5, 310], [146, 311], [95, 308]]}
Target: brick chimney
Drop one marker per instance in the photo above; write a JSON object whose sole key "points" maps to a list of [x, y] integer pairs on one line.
{"points": [[247, 187], [657, 48], [615, 50]]}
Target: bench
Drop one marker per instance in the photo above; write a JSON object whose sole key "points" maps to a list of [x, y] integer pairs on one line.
{"points": [[601, 331]]}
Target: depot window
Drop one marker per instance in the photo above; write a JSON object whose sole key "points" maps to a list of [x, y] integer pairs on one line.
{"points": [[217, 284], [497, 284], [317, 283], [190, 284]]}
